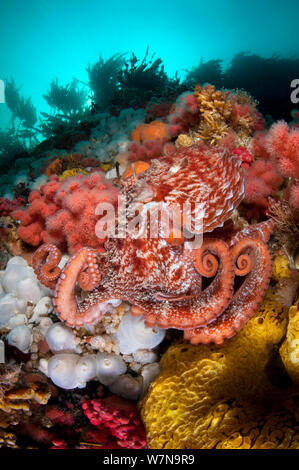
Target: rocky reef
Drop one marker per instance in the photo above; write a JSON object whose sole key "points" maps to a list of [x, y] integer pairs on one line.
{"points": [[175, 329]]}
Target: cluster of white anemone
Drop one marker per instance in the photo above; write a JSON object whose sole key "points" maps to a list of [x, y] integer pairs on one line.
{"points": [[24, 302], [111, 135], [69, 369], [25, 305]]}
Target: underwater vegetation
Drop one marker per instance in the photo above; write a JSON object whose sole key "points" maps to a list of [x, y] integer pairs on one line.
{"points": [[163, 329], [68, 103]]}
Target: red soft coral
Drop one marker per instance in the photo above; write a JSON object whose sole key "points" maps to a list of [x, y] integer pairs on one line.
{"points": [[261, 181], [58, 416], [42, 205], [157, 111], [283, 145], [146, 150], [63, 212], [185, 115], [7, 206], [259, 145], [294, 195], [120, 417], [243, 155]]}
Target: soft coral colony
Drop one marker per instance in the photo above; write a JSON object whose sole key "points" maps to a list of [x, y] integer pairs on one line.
{"points": [[95, 313]]}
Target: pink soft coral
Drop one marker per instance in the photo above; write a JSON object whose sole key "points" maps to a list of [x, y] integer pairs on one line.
{"points": [[243, 155], [259, 145], [185, 115], [7, 206], [294, 195], [42, 205], [283, 145], [261, 181], [146, 150], [120, 417], [63, 212]]}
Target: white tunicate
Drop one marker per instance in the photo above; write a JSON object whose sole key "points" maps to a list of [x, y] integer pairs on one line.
{"points": [[70, 371], [9, 307], [60, 337], [16, 260], [19, 319], [149, 373], [132, 335], [86, 369], [115, 302], [127, 387], [19, 279], [20, 337], [145, 356], [62, 370], [44, 325], [43, 307], [43, 366], [109, 367], [13, 274], [28, 289]]}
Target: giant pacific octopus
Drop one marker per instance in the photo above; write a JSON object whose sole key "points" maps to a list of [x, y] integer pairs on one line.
{"points": [[209, 291]]}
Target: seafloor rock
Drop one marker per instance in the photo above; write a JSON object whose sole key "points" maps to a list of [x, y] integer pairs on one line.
{"points": [[236, 396]]}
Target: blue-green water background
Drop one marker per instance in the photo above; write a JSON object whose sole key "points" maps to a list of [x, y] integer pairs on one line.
{"points": [[45, 39]]}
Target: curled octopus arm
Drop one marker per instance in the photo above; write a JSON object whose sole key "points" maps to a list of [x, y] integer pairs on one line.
{"points": [[252, 259], [45, 264], [81, 269], [212, 259]]}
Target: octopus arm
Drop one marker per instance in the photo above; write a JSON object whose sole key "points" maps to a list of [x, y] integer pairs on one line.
{"points": [[81, 268], [261, 231], [213, 258], [45, 264], [246, 299]]}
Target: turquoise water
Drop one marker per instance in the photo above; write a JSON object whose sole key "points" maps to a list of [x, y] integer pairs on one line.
{"points": [[42, 40]]}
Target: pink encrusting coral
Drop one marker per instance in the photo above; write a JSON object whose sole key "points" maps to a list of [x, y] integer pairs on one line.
{"points": [[63, 212], [120, 418]]}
